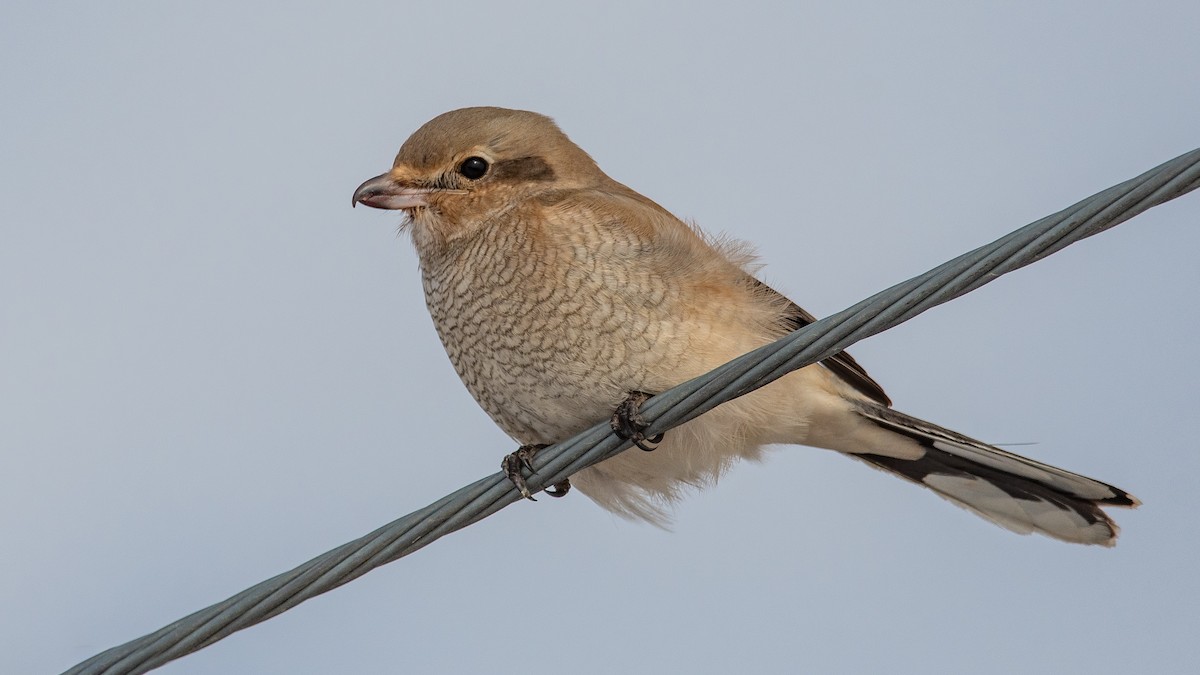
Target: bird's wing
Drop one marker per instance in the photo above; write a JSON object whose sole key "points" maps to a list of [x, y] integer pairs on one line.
{"points": [[629, 209], [842, 364]]}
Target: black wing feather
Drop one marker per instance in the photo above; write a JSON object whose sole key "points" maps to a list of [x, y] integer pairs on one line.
{"points": [[842, 364]]}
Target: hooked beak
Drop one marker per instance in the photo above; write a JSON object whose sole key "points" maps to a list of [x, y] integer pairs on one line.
{"points": [[385, 192]]}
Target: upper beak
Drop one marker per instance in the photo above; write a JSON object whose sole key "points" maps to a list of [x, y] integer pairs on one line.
{"points": [[385, 192]]}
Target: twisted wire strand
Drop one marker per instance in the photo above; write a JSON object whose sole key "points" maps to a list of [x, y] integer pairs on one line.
{"points": [[806, 346]]}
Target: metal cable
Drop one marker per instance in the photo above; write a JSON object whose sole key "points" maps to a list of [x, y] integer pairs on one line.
{"points": [[806, 346]]}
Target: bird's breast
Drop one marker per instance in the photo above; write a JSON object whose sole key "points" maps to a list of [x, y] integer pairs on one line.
{"points": [[549, 333]]}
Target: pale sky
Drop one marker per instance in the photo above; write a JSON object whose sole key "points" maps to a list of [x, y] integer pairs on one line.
{"points": [[212, 369]]}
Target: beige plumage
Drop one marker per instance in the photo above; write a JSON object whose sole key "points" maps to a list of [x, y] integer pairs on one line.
{"points": [[557, 291]]}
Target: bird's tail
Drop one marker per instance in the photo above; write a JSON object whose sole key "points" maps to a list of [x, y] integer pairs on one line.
{"points": [[1013, 492]]}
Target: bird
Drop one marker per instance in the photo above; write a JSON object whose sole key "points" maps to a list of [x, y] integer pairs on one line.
{"points": [[561, 296]]}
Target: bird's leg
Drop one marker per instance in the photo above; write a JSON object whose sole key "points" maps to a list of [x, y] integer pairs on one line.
{"points": [[627, 421], [512, 464]]}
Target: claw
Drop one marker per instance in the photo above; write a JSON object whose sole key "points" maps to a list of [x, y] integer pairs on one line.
{"points": [[511, 466], [525, 453], [559, 489], [627, 422]]}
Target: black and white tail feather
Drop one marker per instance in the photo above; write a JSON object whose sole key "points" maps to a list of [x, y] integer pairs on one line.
{"points": [[1011, 491]]}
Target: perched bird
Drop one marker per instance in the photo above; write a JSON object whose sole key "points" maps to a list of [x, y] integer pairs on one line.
{"points": [[560, 293]]}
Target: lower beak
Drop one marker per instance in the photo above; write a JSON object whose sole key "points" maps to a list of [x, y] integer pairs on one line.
{"points": [[383, 192]]}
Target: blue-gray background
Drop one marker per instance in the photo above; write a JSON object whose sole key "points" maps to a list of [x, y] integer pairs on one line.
{"points": [[211, 369]]}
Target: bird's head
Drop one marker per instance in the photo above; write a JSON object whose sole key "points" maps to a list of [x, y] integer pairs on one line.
{"points": [[465, 167]]}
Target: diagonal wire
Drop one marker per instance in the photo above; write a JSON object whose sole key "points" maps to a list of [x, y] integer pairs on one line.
{"points": [[806, 346]]}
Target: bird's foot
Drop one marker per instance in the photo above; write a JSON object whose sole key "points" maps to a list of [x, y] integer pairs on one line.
{"points": [[627, 421], [512, 464], [559, 489]]}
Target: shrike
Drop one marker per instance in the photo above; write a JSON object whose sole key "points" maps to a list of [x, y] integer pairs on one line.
{"points": [[562, 295]]}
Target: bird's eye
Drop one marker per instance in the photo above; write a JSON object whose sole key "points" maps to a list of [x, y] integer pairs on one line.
{"points": [[473, 167]]}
